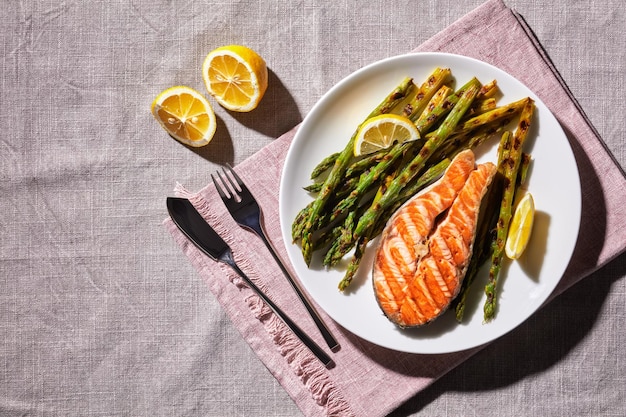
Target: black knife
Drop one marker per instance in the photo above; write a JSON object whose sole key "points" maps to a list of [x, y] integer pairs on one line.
{"points": [[193, 225]]}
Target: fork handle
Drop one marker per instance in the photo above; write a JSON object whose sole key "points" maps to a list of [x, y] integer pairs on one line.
{"points": [[328, 337], [228, 259]]}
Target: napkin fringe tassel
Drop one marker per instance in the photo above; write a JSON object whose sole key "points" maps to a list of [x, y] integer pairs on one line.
{"points": [[306, 366]]}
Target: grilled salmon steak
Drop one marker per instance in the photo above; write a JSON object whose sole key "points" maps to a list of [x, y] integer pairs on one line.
{"points": [[427, 243]]}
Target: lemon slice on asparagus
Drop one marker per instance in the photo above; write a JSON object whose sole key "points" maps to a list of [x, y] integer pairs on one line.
{"points": [[380, 132], [521, 227], [186, 115]]}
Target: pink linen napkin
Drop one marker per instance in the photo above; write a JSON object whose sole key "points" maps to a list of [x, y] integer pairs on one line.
{"points": [[491, 33]]}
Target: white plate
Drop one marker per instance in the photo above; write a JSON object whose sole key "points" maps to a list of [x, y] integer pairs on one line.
{"points": [[524, 285]]}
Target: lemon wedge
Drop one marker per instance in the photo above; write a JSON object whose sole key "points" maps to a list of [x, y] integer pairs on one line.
{"points": [[380, 132], [236, 76], [521, 227], [186, 115]]}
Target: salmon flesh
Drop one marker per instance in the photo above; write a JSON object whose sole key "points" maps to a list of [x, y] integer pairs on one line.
{"points": [[427, 244]]}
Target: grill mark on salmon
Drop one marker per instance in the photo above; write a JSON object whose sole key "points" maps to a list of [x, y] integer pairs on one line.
{"points": [[427, 244]]}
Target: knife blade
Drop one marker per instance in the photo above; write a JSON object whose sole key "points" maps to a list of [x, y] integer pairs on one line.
{"points": [[201, 234]]}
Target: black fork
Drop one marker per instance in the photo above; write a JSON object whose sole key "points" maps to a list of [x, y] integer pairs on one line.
{"points": [[244, 208]]}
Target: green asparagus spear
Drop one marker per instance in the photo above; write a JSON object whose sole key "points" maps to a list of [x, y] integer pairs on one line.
{"points": [[298, 223], [365, 163], [367, 180], [438, 98], [523, 170], [488, 90], [469, 140], [341, 163], [482, 106], [344, 233], [438, 78], [314, 187], [342, 190], [499, 113], [512, 156], [353, 266], [431, 174], [324, 165], [426, 121]]}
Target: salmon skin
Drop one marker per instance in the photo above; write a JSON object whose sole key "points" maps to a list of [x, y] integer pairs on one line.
{"points": [[427, 243]]}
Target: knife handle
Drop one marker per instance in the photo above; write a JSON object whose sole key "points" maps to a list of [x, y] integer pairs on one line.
{"points": [[228, 259]]}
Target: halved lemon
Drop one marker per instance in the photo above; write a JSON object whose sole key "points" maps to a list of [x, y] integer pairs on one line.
{"points": [[186, 115], [236, 76], [521, 227], [380, 132]]}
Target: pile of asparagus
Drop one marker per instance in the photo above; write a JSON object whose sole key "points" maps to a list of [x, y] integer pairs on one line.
{"points": [[354, 197]]}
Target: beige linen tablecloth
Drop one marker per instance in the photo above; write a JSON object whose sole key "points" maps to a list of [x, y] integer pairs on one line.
{"points": [[100, 312]]}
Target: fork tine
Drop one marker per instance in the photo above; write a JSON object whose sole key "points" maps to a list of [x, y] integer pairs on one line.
{"points": [[233, 187], [219, 186], [241, 184]]}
